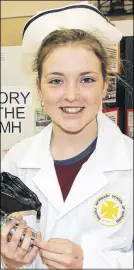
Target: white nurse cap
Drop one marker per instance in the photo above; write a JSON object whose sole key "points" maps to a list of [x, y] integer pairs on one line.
{"points": [[76, 16]]}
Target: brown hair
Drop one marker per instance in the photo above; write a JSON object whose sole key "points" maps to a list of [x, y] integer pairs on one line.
{"points": [[65, 37]]}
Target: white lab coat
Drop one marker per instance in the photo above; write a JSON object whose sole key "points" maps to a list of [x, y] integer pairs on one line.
{"points": [[109, 169]]}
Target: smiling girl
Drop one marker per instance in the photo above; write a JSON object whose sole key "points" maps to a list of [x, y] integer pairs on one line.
{"points": [[80, 166]]}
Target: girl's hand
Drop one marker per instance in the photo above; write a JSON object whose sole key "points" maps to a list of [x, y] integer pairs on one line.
{"points": [[61, 254], [12, 255]]}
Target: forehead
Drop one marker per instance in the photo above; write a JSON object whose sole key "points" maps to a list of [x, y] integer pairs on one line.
{"points": [[71, 58]]}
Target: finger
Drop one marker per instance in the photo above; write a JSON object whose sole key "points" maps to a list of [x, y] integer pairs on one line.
{"points": [[31, 255], [39, 236], [33, 252], [55, 247], [59, 258], [19, 218], [22, 251], [53, 265], [5, 231], [37, 241], [61, 245], [59, 240], [16, 216], [16, 236]]}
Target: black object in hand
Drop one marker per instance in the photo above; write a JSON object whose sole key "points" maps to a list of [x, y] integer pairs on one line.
{"points": [[16, 197]]}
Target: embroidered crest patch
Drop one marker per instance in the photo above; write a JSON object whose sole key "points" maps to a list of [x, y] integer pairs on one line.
{"points": [[109, 209]]}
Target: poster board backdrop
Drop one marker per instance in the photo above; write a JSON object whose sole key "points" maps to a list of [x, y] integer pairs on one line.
{"points": [[130, 123], [19, 98]]}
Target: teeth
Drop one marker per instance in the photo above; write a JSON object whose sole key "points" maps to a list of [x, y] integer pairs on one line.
{"points": [[72, 110]]}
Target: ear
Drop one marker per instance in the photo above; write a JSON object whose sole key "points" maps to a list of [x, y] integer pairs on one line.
{"points": [[105, 88], [38, 85]]}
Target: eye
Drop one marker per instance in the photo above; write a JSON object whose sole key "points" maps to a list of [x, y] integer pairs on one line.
{"points": [[56, 81], [87, 80]]}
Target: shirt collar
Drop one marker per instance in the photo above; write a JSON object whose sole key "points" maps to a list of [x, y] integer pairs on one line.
{"points": [[110, 152]]}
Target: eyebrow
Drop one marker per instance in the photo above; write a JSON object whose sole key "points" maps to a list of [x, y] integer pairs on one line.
{"points": [[61, 74], [88, 72]]}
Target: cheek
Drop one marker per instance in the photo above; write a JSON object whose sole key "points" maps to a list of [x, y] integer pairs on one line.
{"points": [[93, 97], [52, 95], [50, 98]]}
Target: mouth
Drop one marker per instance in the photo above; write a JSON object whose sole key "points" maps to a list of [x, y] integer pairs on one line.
{"points": [[72, 110]]}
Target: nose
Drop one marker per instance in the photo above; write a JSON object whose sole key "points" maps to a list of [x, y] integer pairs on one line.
{"points": [[71, 93]]}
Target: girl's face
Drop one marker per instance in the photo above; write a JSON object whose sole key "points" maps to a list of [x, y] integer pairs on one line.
{"points": [[72, 87]]}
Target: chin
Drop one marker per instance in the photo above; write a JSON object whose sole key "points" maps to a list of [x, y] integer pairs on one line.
{"points": [[71, 129]]}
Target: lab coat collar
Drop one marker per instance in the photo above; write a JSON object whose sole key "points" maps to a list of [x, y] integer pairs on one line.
{"points": [[39, 157], [110, 153]]}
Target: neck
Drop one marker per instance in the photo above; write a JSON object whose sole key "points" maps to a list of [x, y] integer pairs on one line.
{"points": [[64, 145]]}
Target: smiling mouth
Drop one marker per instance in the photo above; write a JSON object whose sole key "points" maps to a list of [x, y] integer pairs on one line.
{"points": [[72, 110]]}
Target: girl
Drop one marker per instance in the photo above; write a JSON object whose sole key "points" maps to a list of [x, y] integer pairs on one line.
{"points": [[80, 166]]}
